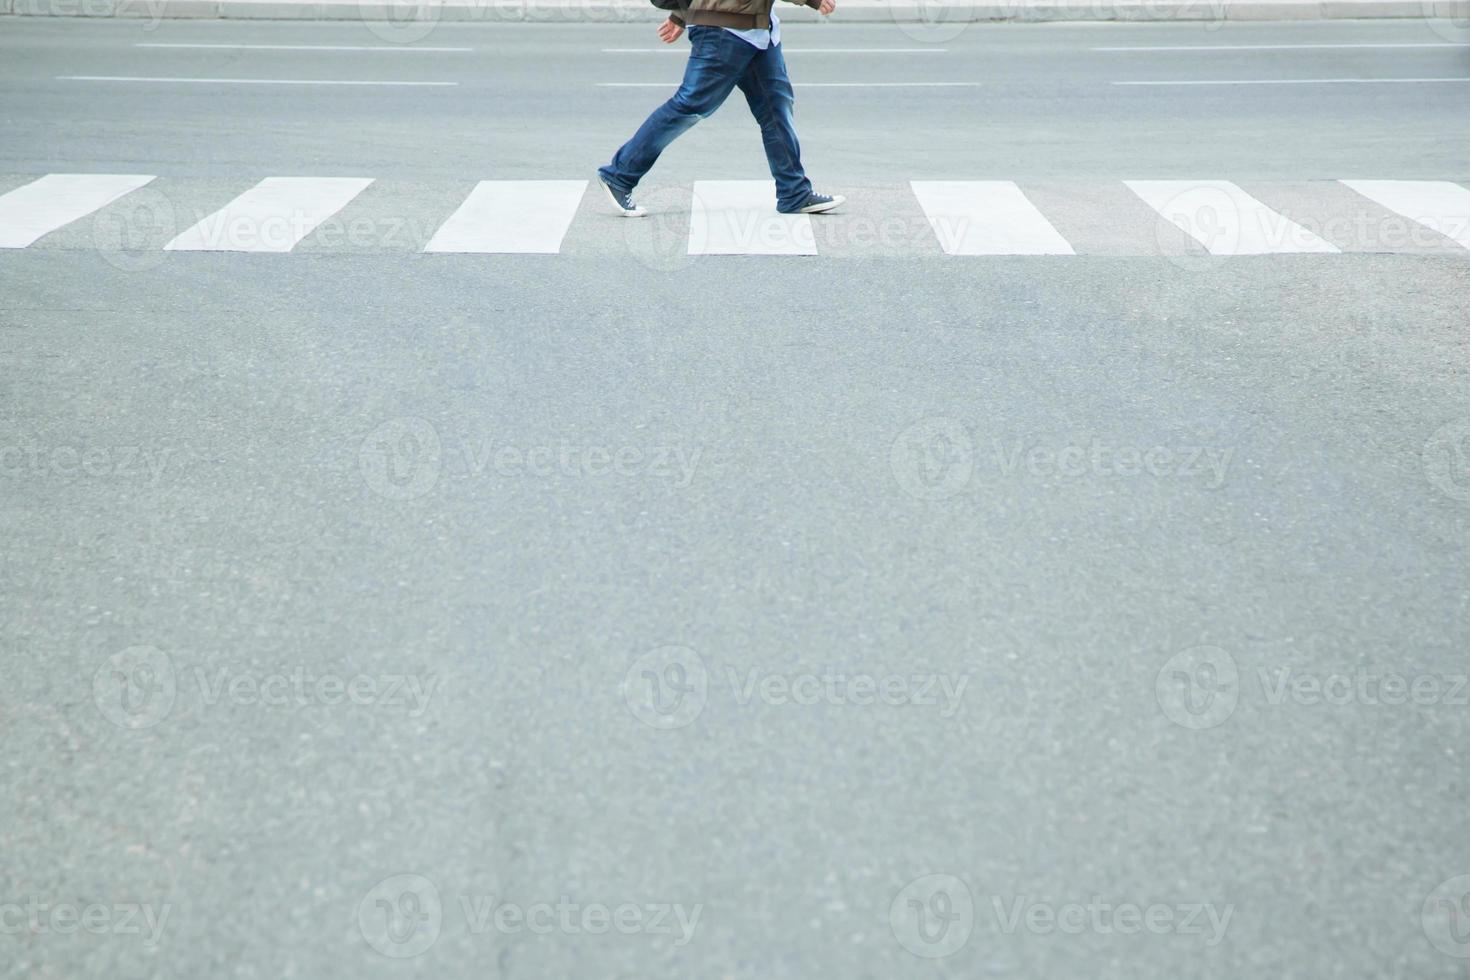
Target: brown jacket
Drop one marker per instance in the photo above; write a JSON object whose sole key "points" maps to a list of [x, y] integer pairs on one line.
{"points": [[743, 15]]}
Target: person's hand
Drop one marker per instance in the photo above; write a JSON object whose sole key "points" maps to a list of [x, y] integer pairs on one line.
{"points": [[669, 32], [827, 7]]}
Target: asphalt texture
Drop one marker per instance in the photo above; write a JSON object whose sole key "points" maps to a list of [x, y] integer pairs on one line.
{"points": [[621, 613]]}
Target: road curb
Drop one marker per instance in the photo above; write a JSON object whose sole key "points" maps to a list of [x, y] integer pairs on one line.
{"points": [[406, 15]]}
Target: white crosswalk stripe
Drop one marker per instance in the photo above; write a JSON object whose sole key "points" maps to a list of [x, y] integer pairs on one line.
{"points": [[738, 217], [987, 217], [1436, 204], [42, 206], [272, 216], [511, 216], [333, 215], [1225, 219]]}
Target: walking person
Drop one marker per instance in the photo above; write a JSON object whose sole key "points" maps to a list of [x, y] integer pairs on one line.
{"points": [[733, 43]]}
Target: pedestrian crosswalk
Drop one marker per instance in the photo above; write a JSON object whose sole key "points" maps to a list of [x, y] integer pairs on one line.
{"points": [[511, 216], [1436, 204], [987, 217], [273, 216], [1206, 217], [31, 211], [1225, 219], [735, 217]]}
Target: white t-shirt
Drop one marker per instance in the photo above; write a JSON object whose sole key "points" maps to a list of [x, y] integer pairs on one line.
{"points": [[760, 37]]}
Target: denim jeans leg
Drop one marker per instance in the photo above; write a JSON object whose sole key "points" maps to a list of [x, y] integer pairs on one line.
{"points": [[716, 62], [768, 91]]}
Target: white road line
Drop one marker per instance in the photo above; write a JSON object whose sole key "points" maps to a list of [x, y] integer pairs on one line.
{"points": [[296, 47], [673, 50], [807, 85], [986, 217], [739, 217], [1225, 219], [1439, 205], [44, 205], [272, 216], [1299, 81], [511, 216], [234, 81], [1272, 47]]}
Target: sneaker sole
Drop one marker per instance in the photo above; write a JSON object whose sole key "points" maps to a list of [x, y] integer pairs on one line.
{"points": [[636, 213]]}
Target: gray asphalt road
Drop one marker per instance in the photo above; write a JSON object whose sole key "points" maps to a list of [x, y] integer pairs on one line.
{"points": [[622, 613], [526, 103]]}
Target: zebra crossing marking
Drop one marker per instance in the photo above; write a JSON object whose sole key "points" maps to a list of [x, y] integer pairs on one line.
{"points": [[987, 217], [1225, 219], [46, 204], [272, 216], [739, 217], [511, 216], [1438, 205]]}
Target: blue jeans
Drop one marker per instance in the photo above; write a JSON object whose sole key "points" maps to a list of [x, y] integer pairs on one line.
{"points": [[718, 63]]}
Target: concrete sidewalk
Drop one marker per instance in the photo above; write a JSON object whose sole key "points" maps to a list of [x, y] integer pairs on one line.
{"points": [[405, 17]]}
